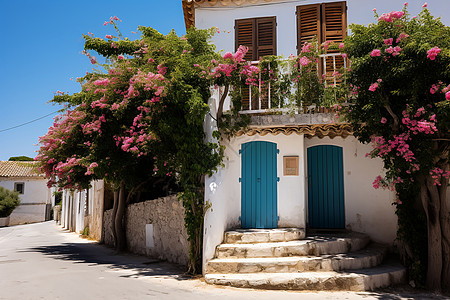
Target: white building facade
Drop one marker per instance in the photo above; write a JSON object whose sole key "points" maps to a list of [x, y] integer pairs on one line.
{"points": [[310, 172], [35, 197]]}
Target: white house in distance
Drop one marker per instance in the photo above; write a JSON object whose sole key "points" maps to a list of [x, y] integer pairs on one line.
{"points": [[291, 171], [35, 196], [82, 210]]}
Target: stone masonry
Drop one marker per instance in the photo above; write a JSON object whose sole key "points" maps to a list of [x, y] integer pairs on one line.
{"points": [[169, 234]]}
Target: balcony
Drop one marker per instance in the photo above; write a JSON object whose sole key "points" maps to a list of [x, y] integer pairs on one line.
{"points": [[264, 98]]}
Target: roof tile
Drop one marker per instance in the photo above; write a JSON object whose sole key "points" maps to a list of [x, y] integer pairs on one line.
{"points": [[19, 169]]}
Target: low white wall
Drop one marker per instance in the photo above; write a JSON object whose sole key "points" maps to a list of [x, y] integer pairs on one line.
{"points": [[367, 210], [154, 228], [25, 214]]}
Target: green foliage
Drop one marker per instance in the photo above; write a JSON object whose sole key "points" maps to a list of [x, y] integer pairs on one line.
{"points": [[138, 120], [9, 200], [20, 158], [399, 103]]}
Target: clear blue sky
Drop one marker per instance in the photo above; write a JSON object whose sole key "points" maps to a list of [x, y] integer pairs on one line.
{"points": [[40, 51], [41, 44]]}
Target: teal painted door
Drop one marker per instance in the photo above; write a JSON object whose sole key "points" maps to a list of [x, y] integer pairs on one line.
{"points": [[325, 187], [259, 185]]}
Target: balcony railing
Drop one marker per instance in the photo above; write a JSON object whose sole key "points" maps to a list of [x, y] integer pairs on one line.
{"points": [[263, 101]]}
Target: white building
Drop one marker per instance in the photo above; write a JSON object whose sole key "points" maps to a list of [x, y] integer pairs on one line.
{"points": [[300, 171], [35, 197], [83, 209]]}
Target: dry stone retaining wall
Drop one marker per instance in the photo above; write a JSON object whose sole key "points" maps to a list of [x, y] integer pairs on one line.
{"points": [[154, 228]]}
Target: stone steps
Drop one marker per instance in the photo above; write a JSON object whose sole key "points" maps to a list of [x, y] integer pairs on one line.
{"points": [[311, 245], [367, 258], [285, 258], [361, 280], [250, 236]]}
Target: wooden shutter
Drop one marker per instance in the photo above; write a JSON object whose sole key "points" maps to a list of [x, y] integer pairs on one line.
{"points": [[334, 29], [308, 24], [334, 21], [245, 36], [266, 37]]}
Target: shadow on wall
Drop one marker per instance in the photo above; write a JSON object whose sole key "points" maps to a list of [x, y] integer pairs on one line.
{"points": [[94, 254]]}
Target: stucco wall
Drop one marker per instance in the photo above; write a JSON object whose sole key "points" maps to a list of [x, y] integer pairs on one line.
{"points": [[33, 201], [154, 228], [367, 210], [359, 12]]}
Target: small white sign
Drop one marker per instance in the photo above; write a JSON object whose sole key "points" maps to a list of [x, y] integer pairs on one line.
{"points": [[149, 241]]}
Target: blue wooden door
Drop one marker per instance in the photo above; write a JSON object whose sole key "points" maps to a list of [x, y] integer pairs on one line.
{"points": [[325, 187], [259, 185]]}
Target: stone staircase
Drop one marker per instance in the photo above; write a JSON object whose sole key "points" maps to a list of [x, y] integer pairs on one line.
{"points": [[285, 258]]}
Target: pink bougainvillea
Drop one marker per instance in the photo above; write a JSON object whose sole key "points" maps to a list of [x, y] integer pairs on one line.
{"points": [[375, 52], [433, 52]]}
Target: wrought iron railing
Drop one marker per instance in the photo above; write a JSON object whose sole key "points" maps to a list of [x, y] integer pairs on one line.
{"points": [[263, 102]]}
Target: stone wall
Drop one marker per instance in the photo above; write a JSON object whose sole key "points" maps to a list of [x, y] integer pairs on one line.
{"points": [[154, 228]]}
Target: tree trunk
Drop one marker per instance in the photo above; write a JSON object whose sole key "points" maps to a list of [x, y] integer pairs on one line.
{"points": [[113, 217], [118, 221], [445, 226], [431, 204]]}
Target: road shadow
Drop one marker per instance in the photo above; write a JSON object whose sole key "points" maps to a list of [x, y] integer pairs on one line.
{"points": [[95, 254], [405, 292]]}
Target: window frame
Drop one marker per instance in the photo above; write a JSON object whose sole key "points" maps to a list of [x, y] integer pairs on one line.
{"points": [[23, 187]]}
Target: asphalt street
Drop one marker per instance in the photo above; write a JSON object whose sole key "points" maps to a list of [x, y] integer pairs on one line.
{"points": [[42, 261]]}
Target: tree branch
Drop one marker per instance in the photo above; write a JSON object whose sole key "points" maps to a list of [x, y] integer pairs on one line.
{"points": [[394, 116], [221, 102]]}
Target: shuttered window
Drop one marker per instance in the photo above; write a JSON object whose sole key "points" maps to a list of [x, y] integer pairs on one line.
{"points": [[258, 34], [326, 21]]}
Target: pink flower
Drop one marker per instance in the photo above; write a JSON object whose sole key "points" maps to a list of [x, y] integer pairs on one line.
{"points": [[425, 5], [93, 60], [383, 120], [405, 4], [306, 47], [108, 36], [374, 10], [304, 61], [447, 95], [106, 23], [150, 60], [344, 55], [228, 55], [397, 50], [434, 89], [373, 87], [401, 36], [388, 41], [341, 46], [375, 52], [433, 52], [120, 57], [391, 16], [389, 50], [161, 69]]}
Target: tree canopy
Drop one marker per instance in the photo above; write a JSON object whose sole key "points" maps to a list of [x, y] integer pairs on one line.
{"points": [[400, 79]]}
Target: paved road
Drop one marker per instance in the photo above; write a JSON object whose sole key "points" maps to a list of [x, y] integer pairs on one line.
{"points": [[41, 261]]}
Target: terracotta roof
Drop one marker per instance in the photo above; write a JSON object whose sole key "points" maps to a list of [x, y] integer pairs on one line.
{"points": [[19, 169], [189, 13], [189, 7], [309, 130]]}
